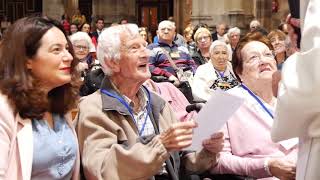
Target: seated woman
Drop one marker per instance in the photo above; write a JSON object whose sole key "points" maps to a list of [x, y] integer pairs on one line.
{"points": [[82, 45], [187, 35], [143, 31], [38, 89], [277, 39], [217, 74], [248, 148], [203, 41]]}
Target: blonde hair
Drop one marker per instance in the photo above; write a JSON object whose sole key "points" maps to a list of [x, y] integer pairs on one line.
{"points": [[201, 30]]}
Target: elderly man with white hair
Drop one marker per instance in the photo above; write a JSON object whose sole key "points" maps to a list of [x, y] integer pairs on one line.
{"points": [[254, 24], [166, 56], [126, 131]]}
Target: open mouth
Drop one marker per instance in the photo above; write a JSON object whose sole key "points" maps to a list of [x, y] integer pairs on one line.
{"points": [[143, 65], [265, 69]]}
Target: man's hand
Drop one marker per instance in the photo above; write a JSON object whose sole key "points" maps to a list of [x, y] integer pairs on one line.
{"points": [[282, 169], [175, 80], [178, 136], [215, 143]]}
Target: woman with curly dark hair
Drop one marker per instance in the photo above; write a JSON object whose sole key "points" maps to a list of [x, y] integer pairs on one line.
{"points": [[38, 87]]}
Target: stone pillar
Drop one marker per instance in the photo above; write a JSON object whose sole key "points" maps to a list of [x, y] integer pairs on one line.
{"points": [[182, 14], [264, 12], [210, 12], [53, 9], [71, 6], [280, 16], [235, 12]]}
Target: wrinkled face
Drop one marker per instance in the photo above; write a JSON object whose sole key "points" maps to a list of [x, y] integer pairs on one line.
{"points": [[257, 61], [134, 60], [73, 28], [204, 40], [278, 44], [221, 29], [86, 28], [100, 25], [219, 57], [166, 33], [52, 62], [81, 49], [143, 34], [234, 38]]}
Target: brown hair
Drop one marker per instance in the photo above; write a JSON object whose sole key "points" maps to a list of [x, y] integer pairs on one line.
{"points": [[237, 61], [20, 43], [278, 33]]}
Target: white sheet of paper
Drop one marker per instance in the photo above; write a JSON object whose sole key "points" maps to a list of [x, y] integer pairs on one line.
{"points": [[216, 112]]}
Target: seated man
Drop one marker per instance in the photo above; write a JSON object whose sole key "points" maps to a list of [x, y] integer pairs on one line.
{"points": [[166, 56], [127, 132]]}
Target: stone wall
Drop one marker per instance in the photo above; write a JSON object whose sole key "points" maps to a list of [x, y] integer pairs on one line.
{"points": [[237, 13], [53, 8], [113, 11]]}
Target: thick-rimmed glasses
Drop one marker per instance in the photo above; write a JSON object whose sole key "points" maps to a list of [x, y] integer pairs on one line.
{"points": [[205, 38]]}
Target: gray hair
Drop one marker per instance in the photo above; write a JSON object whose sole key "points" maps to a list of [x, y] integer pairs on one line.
{"points": [[109, 43], [83, 36], [233, 30], [254, 23], [166, 23], [217, 43]]}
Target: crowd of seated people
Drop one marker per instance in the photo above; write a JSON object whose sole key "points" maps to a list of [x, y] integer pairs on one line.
{"points": [[128, 125]]}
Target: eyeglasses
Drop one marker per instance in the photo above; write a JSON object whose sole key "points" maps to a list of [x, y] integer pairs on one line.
{"points": [[257, 58], [79, 47], [206, 38]]}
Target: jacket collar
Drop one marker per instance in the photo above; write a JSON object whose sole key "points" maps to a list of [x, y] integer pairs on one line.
{"points": [[111, 103], [163, 44], [25, 143]]}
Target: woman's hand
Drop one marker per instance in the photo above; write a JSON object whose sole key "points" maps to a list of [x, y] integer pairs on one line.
{"points": [[282, 169], [215, 143]]}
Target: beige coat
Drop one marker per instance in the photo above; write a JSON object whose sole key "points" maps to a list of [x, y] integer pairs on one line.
{"points": [[110, 146]]}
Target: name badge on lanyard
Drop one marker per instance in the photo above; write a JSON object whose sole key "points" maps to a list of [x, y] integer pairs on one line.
{"points": [[175, 55], [123, 102]]}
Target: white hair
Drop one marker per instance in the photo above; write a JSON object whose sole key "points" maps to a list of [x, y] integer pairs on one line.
{"points": [[166, 23], [233, 30], [83, 36], [254, 23], [109, 43], [216, 43]]}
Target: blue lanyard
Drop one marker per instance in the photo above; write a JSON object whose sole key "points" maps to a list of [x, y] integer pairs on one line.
{"points": [[257, 99], [123, 102], [221, 74]]}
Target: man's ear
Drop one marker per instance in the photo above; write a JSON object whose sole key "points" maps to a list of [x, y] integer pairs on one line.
{"points": [[29, 64], [114, 65]]}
